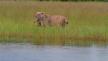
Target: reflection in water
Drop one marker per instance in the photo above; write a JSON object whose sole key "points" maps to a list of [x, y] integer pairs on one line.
{"points": [[27, 52]]}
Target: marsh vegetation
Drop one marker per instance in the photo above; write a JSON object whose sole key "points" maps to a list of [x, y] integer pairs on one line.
{"points": [[88, 23]]}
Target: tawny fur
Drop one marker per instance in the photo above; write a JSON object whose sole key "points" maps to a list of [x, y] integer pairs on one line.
{"points": [[50, 20]]}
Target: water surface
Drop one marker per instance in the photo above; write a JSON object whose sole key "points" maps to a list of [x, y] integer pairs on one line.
{"points": [[27, 52]]}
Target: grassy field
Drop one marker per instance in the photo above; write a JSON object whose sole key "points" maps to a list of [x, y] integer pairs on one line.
{"points": [[88, 23]]}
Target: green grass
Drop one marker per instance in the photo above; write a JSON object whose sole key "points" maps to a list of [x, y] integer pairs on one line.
{"points": [[88, 23]]}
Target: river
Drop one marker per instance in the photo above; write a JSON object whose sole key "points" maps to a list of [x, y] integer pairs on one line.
{"points": [[28, 52]]}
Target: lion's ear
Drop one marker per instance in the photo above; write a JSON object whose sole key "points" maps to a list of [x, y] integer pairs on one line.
{"points": [[46, 16], [42, 13]]}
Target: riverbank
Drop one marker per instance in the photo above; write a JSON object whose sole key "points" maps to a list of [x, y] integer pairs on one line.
{"points": [[87, 23]]}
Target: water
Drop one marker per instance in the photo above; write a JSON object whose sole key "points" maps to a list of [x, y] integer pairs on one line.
{"points": [[27, 52]]}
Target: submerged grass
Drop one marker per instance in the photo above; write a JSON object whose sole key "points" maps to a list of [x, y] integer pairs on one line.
{"points": [[88, 23]]}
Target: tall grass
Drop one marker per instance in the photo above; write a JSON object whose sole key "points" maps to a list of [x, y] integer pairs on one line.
{"points": [[88, 23]]}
